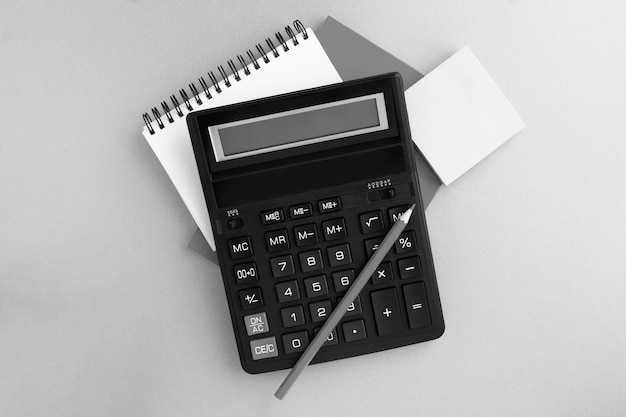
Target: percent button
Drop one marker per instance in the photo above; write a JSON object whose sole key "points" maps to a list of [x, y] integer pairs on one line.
{"points": [[406, 242]]}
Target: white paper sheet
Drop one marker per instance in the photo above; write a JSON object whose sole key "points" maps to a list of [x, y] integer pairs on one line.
{"points": [[458, 115], [305, 65]]}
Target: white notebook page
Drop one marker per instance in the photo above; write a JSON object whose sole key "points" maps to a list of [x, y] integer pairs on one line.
{"points": [[305, 65]]}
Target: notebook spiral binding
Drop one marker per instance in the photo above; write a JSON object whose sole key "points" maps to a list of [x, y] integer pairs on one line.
{"points": [[166, 114]]}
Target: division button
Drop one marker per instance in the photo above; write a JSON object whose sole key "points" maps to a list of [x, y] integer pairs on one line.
{"points": [[410, 267], [334, 229], [272, 216], [295, 342], [329, 204], [354, 330], [277, 240], [301, 210], [263, 348], [306, 234], [256, 324], [371, 245], [240, 247], [246, 273], [416, 305], [372, 222], [251, 298], [386, 311]]}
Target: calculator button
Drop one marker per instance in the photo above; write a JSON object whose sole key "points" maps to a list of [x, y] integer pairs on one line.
{"points": [[292, 316], [416, 305], [311, 261], [236, 223], [287, 291], [331, 339], [240, 247], [354, 308], [386, 311], [246, 273], [343, 279], [339, 255], [372, 222], [256, 324], [354, 330], [410, 267], [396, 212], [371, 245], [295, 342], [282, 266], [328, 205], [263, 348], [383, 274], [306, 234], [334, 229], [272, 216], [301, 210], [407, 242], [320, 310], [316, 286], [277, 240], [251, 298]]}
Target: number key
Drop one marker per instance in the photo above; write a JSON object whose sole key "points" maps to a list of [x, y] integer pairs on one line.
{"points": [[287, 291], [316, 286], [282, 266], [292, 316], [311, 261]]}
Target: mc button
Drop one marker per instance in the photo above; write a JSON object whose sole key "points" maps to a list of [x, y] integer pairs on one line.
{"points": [[240, 247]]}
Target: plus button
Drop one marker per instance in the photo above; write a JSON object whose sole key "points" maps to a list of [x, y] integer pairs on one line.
{"points": [[387, 312]]}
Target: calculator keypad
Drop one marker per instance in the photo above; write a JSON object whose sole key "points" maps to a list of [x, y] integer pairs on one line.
{"points": [[312, 257]]}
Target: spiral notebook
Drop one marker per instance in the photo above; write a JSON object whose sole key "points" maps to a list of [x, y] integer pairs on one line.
{"points": [[291, 61]]}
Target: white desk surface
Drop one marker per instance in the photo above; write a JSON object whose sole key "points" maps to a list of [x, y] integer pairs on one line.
{"points": [[105, 312]]}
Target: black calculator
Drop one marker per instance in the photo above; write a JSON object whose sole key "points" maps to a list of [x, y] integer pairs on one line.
{"points": [[301, 188]]}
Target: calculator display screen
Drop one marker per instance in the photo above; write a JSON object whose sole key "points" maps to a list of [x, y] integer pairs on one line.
{"points": [[314, 124]]}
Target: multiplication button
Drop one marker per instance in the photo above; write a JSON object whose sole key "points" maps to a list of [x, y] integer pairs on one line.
{"points": [[263, 348]]}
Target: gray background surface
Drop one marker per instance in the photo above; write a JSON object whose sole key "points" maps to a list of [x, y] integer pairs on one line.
{"points": [[104, 311]]}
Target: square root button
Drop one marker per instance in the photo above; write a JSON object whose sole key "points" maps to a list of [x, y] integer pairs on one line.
{"points": [[263, 348]]}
